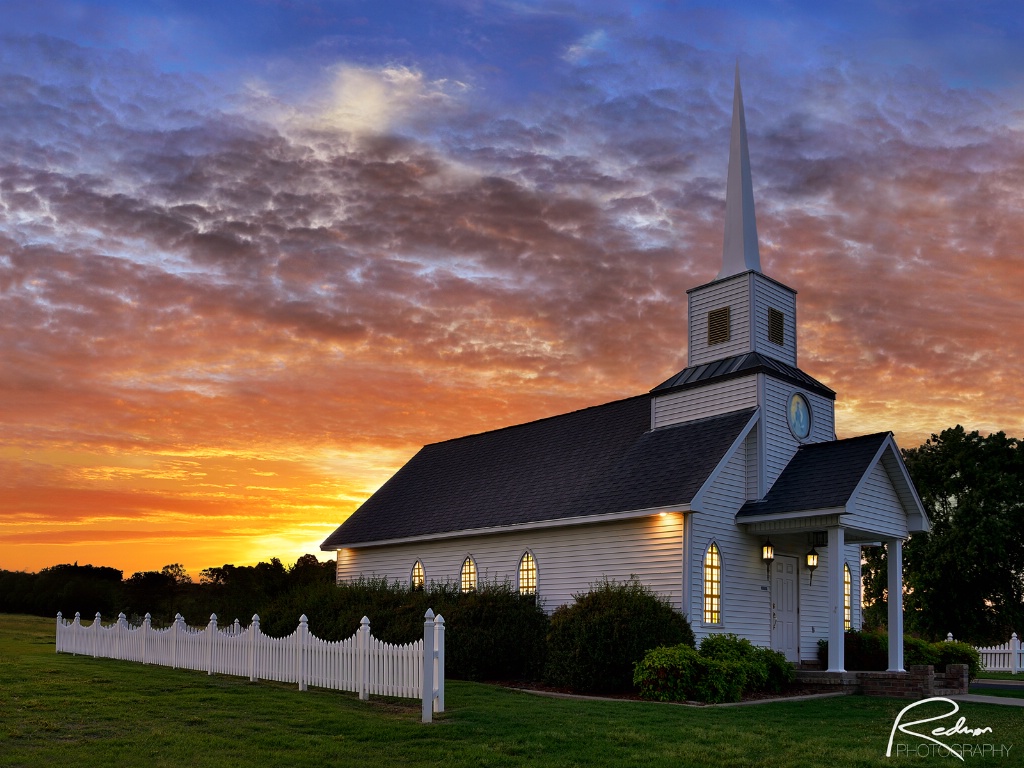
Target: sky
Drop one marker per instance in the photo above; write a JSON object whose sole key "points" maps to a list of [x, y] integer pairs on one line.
{"points": [[253, 255]]}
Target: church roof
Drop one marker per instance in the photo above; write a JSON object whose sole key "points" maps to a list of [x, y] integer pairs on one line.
{"points": [[742, 365], [596, 461], [819, 476]]}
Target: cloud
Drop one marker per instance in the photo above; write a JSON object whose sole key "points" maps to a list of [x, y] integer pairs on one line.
{"points": [[193, 281]]}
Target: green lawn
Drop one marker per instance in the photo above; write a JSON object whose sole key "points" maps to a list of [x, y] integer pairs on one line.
{"points": [[65, 710], [1019, 677]]}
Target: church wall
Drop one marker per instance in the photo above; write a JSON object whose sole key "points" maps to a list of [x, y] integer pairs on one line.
{"points": [[735, 294], [746, 608], [781, 445], [876, 507], [814, 606], [768, 293], [568, 559], [750, 448], [712, 399]]}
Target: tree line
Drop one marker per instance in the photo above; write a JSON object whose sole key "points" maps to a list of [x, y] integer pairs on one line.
{"points": [[230, 591]]}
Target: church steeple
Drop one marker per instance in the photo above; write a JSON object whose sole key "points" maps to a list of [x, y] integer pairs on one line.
{"points": [[739, 249]]}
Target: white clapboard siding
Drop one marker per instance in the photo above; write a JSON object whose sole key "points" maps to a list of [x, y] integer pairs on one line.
{"points": [[751, 450], [361, 663], [700, 402], [876, 506], [733, 293], [769, 294], [781, 445], [814, 602], [746, 607], [569, 559]]}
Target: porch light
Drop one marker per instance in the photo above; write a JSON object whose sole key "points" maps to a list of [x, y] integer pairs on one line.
{"points": [[812, 562], [768, 556]]}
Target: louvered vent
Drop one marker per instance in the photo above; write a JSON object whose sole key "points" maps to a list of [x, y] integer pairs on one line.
{"points": [[719, 330], [776, 327]]}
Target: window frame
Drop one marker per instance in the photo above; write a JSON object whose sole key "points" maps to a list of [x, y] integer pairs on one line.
{"points": [[472, 575], [535, 575], [847, 597], [422, 575], [711, 612]]}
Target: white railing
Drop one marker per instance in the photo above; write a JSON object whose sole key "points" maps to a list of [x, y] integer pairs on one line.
{"points": [[1008, 657], [361, 664]]}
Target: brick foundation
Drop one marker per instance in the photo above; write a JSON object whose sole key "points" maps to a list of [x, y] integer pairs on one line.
{"points": [[918, 681]]}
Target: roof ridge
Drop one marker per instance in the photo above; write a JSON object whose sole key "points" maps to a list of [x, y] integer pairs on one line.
{"points": [[542, 418]]}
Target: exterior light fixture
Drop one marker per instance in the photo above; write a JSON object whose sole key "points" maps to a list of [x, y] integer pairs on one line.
{"points": [[812, 562], [768, 556]]}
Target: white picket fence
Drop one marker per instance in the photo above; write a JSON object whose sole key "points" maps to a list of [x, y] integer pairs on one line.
{"points": [[361, 664], [1008, 657]]}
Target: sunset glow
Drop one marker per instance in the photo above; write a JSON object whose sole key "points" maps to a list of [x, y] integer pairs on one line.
{"points": [[248, 268]]}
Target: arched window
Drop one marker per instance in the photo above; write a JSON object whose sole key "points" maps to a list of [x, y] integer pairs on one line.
{"points": [[527, 574], [419, 577], [712, 585], [847, 597], [468, 577]]}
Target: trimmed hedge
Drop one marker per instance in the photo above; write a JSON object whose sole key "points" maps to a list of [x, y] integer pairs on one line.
{"points": [[723, 670], [594, 643], [492, 633], [869, 652]]}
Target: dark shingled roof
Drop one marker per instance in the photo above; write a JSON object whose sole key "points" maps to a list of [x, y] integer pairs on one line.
{"points": [[819, 476], [742, 365], [590, 462]]}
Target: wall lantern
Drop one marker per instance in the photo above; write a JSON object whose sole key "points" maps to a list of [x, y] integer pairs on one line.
{"points": [[767, 556], [812, 562]]}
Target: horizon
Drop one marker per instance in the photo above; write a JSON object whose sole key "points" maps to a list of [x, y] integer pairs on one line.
{"points": [[254, 256]]}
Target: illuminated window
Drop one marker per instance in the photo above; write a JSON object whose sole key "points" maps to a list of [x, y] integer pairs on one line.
{"points": [[527, 575], [847, 598], [712, 586], [419, 578], [468, 580]]}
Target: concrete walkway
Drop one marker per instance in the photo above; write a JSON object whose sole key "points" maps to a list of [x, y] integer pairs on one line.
{"points": [[975, 698]]}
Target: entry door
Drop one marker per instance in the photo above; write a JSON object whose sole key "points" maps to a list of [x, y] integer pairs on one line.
{"points": [[785, 618]]}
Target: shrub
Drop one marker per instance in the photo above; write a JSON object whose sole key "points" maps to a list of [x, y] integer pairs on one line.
{"points": [[594, 643], [492, 633], [667, 674], [959, 653], [681, 673], [869, 651], [740, 650], [918, 651]]}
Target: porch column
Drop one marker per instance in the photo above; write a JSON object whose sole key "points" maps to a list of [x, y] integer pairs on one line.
{"points": [[836, 602], [894, 557]]}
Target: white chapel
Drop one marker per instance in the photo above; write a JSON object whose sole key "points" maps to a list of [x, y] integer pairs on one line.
{"points": [[723, 489]]}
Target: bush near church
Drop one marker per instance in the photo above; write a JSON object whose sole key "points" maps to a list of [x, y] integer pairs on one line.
{"points": [[869, 652], [724, 669], [594, 642]]}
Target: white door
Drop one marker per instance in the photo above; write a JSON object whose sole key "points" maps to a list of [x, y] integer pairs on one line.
{"points": [[785, 618]]}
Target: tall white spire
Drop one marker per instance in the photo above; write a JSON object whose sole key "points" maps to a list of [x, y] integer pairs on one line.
{"points": [[739, 250]]}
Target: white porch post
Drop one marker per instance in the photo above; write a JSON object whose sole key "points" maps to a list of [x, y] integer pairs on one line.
{"points": [[894, 556], [836, 603]]}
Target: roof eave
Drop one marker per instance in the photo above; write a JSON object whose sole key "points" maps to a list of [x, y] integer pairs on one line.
{"points": [[531, 526]]}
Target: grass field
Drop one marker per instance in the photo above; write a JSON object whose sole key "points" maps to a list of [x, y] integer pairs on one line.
{"points": [[60, 709], [1019, 677]]}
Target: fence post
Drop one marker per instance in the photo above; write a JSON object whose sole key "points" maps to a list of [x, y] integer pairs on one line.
{"points": [[238, 628], [147, 625], [439, 668], [363, 658], [300, 646], [254, 631], [1014, 654], [211, 638], [949, 637], [175, 631], [96, 635], [119, 636], [59, 627], [77, 623], [428, 665]]}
